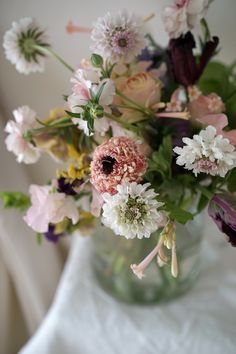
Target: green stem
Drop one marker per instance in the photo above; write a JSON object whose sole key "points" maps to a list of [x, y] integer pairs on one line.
{"points": [[123, 124], [48, 51]]}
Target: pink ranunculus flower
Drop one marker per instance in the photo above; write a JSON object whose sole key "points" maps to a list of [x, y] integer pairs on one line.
{"points": [[15, 142], [183, 15], [49, 207], [204, 105]]}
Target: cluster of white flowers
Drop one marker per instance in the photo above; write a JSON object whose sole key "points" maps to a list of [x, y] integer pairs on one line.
{"points": [[207, 152], [15, 142], [132, 212], [183, 16], [20, 46], [118, 38]]}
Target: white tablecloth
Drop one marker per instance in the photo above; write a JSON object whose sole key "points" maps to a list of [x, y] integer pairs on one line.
{"points": [[84, 319]]}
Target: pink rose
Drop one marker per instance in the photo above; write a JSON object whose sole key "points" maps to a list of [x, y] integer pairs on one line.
{"points": [[204, 105]]}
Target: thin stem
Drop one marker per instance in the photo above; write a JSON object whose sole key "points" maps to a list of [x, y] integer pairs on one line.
{"points": [[123, 124], [49, 51], [135, 104]]}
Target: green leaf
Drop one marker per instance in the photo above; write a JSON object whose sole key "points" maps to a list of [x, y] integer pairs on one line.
{"points": [[15, 200], [160, 161], [232, 181], [71, 114], [96, 60], [203, 201], [178, 214]]}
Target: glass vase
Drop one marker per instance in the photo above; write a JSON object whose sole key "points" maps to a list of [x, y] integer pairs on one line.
{"points": [[112, 256]]}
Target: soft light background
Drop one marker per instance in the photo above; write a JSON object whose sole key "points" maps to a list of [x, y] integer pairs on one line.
{"points": [[44, 91]]}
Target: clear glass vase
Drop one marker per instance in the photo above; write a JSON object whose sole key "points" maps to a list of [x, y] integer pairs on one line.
{"points": [[112, 256]]}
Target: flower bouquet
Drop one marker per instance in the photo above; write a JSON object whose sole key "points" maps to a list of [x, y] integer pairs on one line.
{"points": [[146, 135]]}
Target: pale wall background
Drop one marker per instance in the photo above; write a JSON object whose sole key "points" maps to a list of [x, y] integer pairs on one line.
{"points": [[44, 91]]}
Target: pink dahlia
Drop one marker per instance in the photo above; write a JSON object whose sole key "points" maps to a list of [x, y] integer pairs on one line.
{"points": [[116, 161]]}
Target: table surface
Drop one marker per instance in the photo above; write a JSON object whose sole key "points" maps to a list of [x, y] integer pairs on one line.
{"points": [[84, 319]]}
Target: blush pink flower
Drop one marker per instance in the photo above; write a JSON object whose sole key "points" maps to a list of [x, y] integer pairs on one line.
{"points": [[205, 105], [116, 161], [49, 207]]}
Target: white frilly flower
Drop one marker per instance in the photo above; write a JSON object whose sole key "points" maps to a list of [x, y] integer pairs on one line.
{"points": [[19, 45], [183, 16], [15, 142], [49, 207], [119, 38], [132, 212], [208, 153]]}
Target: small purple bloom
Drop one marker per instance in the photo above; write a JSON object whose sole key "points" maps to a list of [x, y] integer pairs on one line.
{"points": [[50, 235], [65, 187], [222, 209], [186, 69]]}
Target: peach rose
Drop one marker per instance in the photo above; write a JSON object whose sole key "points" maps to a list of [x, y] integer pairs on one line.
{"points": [[143, 89]]}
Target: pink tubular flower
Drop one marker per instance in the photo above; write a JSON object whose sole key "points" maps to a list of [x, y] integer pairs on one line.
{"points": [[49, 207], [116, 161]]}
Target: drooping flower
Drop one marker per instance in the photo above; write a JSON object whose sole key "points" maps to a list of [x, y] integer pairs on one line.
{"points": [[207, 152], [183, 16], [23, 45], [167, 239], [119, 38], [116, 161], [132, 211], [49, 207], [186, 68], [83, 100], [24, 150], [222, 209]]}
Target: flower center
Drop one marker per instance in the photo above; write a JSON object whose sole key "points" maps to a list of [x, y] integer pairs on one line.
{"points": [[122, 42], [134, 211], [27, 42], [108, 164], [205, 166]]}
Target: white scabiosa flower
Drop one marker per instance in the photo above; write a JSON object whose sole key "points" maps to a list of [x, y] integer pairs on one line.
{"points": [[22, 45], [132, 211], [15, 142], [208, 153], [119, 38]]}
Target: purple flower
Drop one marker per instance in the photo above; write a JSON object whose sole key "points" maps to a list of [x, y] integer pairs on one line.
{"points": [[51, 235], [186, 69], [66, 187], [222, 209]]}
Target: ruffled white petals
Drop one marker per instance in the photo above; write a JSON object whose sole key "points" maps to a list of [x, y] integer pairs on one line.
{"points": [[132, 212], [208, 153], [15, 142]]}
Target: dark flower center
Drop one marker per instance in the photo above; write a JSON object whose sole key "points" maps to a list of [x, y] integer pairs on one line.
{"points": [[107, 164], [122, 42]]}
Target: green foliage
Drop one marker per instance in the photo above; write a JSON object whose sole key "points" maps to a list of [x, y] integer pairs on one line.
{"points": [[221, 79], [178, 214], [160, 162], [96, 60], [15, 200], [232, 181]]}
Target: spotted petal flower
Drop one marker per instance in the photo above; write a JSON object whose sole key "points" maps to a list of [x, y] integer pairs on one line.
{"points": [[132, 211], [118, 38], [207, 152], [24, 150], [116, 161], [24, 44]]}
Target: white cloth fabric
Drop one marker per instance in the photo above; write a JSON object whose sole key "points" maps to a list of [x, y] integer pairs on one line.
{"points": [[84, 319]]}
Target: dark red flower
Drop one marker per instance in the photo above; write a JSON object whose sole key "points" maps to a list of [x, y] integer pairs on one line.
{"points": [[186, 68]]}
